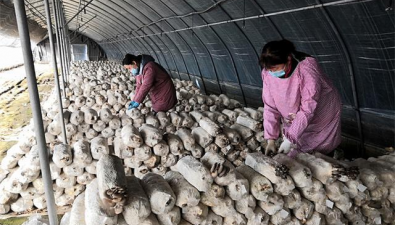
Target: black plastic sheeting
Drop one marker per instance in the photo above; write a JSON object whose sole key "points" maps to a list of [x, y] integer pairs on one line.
{"points": [[353, 41]]}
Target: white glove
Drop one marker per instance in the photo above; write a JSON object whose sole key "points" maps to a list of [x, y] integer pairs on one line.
{"points": [[286, 146], [270, 147]]}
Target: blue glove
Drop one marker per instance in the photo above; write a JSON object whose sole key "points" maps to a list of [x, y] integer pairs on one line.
{"points": [[133, 104]]}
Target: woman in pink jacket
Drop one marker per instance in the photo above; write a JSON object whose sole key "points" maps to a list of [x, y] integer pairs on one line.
{"points": [[151, 78], [298, 97]]}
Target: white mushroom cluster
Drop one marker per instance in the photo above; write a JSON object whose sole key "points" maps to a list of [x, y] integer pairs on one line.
{"points": [[199, 163]]}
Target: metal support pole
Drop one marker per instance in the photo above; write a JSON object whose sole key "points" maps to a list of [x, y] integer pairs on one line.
{"points": [[68, 47], [63, 40], [67, 31], [66, 39], [36, 108], [65, 34], [59, 39], [54, 64], [61, 27], [58, 45]]}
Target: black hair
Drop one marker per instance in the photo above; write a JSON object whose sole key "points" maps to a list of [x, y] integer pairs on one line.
{"points": [[129, 58], [276, 52]]}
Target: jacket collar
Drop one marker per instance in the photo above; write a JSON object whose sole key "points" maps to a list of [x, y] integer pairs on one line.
{"points": [[144, 60]]}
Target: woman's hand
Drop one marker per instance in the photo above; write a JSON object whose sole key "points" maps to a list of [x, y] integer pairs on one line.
{"points": [[133, 104], [290, 118], [271, 147]]}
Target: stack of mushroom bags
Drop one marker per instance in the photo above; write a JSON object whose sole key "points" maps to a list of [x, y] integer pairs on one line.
{"points": [[200, 163]]}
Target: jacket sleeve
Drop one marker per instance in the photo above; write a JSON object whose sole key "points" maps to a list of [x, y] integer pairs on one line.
{"points": [[271, 116], [310, 87], [136, 90], [147, 83]]}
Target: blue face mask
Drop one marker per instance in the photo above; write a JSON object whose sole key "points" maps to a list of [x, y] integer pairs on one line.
{"points": [[279, 73], [134, 71]]}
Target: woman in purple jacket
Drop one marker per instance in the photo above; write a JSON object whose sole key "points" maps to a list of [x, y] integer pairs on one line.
{"points": [[298, 96], [151, 78]]}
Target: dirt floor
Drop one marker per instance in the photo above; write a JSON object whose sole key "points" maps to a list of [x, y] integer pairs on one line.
{"points": [[7, 78], [13, 221], [15, 110], [20, 220]]}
